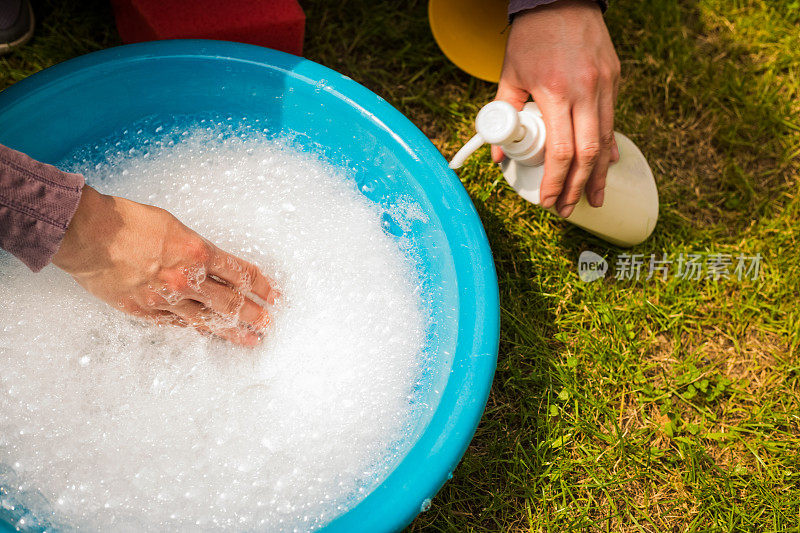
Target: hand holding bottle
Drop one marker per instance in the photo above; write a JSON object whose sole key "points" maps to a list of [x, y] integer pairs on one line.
{"points": [[562, 55]]}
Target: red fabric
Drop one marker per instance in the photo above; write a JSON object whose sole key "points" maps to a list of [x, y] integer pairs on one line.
{"points": [[278, 24], [37, 202]]}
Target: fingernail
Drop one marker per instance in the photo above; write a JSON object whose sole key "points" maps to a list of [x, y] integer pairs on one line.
{"points": [[548, 201], [597, 197], [566, 210]]}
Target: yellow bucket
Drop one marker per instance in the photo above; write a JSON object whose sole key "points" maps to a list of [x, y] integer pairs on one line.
{"points": [[472, 34]]}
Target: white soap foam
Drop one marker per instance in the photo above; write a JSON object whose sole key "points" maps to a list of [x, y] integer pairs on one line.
{"points": [[111, 424]]}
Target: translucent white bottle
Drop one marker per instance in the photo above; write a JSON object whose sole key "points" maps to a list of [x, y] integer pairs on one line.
{"points": [[630, 207]]}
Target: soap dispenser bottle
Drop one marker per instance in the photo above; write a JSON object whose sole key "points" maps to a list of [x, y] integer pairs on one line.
{"points": [[630, 207]]}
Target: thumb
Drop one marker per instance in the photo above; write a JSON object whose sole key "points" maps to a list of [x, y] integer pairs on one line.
{"points": [[514, 95], [497, 154]]}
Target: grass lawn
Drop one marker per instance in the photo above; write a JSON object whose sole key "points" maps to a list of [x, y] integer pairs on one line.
{"points": [[623, 404]]}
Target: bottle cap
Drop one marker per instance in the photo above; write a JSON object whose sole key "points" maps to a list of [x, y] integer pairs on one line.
{"points": [[519, 133], [498, 123]]}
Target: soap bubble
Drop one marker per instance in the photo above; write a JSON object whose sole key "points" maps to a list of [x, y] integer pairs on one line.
{"points": [[119, 424]]}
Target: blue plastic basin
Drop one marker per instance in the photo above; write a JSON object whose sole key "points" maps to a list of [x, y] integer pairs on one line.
{"points": [[88, 98]]}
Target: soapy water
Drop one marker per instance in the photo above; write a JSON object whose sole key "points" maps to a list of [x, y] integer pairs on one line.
{"points": [[109, 423]]}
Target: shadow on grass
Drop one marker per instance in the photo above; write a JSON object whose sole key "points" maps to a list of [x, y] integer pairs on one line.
{"points": [[507, 458], [698, 100], [63, 30], [722, 138]]}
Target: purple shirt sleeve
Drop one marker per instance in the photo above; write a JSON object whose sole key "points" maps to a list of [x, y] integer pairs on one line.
{"points": [[37, 202], [516, 6]]}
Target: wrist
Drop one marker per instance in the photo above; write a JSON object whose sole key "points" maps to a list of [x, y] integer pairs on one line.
{"points": [[75, 255]]}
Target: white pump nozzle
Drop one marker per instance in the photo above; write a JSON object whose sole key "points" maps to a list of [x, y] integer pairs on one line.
{"points": [[467, 150], [520, 134]]}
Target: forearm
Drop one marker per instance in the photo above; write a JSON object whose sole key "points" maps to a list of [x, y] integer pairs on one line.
{"points": [[37, 202]]}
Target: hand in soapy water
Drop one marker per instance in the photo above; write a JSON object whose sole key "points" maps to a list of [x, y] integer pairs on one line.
{"points": [[562, 55], [144, 261]]}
